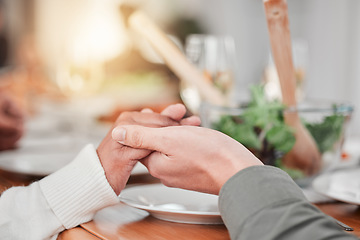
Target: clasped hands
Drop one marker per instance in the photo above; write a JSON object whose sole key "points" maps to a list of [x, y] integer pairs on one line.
{"points": [[174, 149]]}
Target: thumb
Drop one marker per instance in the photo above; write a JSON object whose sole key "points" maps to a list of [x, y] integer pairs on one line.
{"points": [[139, 137]]}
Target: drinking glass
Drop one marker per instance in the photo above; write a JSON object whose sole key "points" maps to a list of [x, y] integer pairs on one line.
{"points": [[215, 57], [300, 54]]}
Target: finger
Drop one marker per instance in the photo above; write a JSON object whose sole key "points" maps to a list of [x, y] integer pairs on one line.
{"points": [[134, 154], [154, 139], [147, 110], [156, 163], [191, 121], [175, 111], [147, 119], [153, 120]]}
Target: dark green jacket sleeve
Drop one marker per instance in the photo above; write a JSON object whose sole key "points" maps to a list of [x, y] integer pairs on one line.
{"points": [[263, 202]]}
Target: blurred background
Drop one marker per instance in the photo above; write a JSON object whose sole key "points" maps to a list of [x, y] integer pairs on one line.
{"points": [[80, 51]]}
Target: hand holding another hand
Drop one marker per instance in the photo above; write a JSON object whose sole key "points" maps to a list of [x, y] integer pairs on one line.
{"points": [[118, 160], [188, 157]]}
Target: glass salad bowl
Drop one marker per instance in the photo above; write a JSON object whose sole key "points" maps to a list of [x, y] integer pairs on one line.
{"points": [[259, 125]]}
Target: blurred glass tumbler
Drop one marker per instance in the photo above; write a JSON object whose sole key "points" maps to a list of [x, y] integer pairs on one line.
{"points": [[300, 53], [326, 122], [215, 57]]}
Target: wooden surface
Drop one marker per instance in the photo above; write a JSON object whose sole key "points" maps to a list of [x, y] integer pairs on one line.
{"points": [[77, 233], [8, 179], [123, 222], [343, 212]]}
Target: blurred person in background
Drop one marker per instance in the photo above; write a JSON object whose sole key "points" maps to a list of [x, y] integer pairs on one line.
{"points": [[11, 115], [4, 45], [11, 122]]}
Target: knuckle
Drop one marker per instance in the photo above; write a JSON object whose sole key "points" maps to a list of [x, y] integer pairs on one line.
{"points": [[166, 121], [121, 117], [125, 118], [155, 170], [167, 183], [137, 139], [125, 115], [121, 123], [167, 141], [155, 173]]}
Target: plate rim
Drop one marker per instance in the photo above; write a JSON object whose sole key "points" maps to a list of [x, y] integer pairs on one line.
{"points": [[321, 185], [10, 155], [154, 209], [31, 172]]}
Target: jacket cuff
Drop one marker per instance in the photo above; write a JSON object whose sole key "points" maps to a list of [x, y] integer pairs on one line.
{"points": [[252, 190], [78, 190]]}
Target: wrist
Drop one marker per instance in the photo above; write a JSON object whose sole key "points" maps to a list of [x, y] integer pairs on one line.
{"points": [[114, 181], [117, 170], [110, 177]]}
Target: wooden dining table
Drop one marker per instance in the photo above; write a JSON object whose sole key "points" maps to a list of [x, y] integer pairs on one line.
{"points": [[124, 222]]}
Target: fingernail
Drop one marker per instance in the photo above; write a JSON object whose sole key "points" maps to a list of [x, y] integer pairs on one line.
{"points": [[118, 134]]}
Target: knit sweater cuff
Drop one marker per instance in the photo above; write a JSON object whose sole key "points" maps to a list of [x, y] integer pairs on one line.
{"points": [[79, 189]]}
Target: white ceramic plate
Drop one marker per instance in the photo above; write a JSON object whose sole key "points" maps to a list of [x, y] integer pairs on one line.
{"points": [[173, 204], [342, 185], [33, 164], [139, 169], [40, 164], [39, 156]]}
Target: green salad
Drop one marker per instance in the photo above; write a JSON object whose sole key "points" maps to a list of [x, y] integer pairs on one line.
{"points": [[261, 128]]}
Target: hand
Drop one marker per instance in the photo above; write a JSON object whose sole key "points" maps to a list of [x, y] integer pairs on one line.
{"points": [[119, 160], [11, 122], [189, 157]]}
